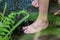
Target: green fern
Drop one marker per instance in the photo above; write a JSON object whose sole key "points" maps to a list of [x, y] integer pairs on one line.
{"points": [[7, 24]]}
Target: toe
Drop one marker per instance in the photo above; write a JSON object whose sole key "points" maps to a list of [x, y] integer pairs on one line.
{"points": [[24, 28], [36, 5], [27, 31], [33, 3]]}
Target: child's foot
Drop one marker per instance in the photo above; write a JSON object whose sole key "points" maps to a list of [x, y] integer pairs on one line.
{"points": [[35, 27], [35, 3]]}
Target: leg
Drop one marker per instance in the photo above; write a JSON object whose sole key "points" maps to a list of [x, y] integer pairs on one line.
{"points": [[58, 1], [43, 9], [41, 22]]}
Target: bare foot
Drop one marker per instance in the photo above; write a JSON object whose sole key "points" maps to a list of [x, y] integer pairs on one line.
{"points": [[35, 3], [35, 27]]}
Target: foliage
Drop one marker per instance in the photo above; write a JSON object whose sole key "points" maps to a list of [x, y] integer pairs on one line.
{"points": [[0, 1], [7, 24]]}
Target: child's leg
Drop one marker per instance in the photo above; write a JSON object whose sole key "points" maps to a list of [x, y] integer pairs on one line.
{"points": [[41, 22], [58, 1], [43, 9]]}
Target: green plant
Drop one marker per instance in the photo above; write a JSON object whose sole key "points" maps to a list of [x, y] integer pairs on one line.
{"points": [[0, 1], [7, 24]]}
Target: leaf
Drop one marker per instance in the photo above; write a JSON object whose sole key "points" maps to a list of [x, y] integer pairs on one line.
{"points": [[2, 33], [4, 29], [1, 25], [57, 21]]}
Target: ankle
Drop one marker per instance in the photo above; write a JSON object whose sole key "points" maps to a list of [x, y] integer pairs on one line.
{"points": [[42, 19]]}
